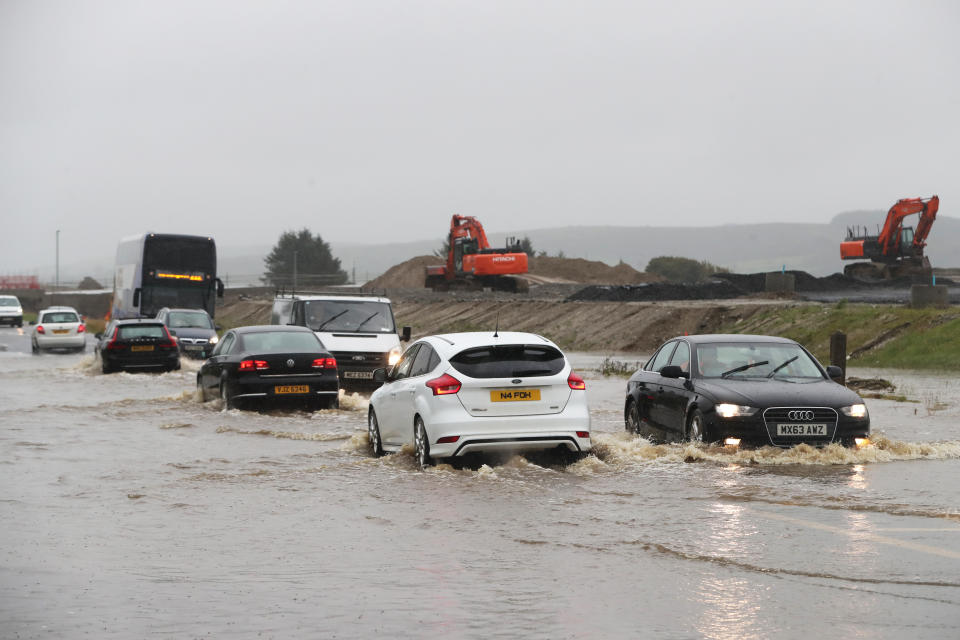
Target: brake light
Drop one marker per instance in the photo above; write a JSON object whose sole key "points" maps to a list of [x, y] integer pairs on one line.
{"points": [[113, 340], [170, 341], [81, 329], [325, 363], [253, 365], [40, 329], [576, 382], [444, 385]]}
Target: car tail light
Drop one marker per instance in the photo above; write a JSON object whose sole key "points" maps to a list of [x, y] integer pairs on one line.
{"points": [[40, 329], [253, 365], [325, 363], [170, 341], [81, 328], [113, 340], [576, 382], [445, 384], [583, 434], [448, 439]]}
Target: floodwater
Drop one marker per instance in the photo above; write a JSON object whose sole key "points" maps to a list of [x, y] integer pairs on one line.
{"points": [[131, 510]]}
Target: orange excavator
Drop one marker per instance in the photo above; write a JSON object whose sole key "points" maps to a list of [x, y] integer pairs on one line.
{"points": [[473, 264], [896, 250]]}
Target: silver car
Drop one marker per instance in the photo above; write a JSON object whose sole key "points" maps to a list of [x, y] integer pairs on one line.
{"points": [[58, 328], [11, 312]]}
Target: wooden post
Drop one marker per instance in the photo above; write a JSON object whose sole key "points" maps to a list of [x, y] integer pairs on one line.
{"points": [[838, 353]]}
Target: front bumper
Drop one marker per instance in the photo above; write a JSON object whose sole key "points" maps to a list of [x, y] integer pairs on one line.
{"points": [[12, 319], [509, 433], [756, 431]]}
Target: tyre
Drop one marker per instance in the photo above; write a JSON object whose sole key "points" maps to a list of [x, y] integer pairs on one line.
{"points": [[229, 402], [632, 417], [421, 446], [373, 432], [203, 397], [34, 347], [105, 368], [696, 427]]}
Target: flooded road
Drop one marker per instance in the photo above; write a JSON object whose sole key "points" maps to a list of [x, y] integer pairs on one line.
{"points": [[129, 509]]}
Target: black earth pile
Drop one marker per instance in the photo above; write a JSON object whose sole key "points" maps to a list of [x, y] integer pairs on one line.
{"points": [[736, 285]]}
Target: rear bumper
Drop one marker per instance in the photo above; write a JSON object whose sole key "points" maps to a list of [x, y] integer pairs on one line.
{"points": [[74, 341], [253, 387], [509, 433], [155, 360]]}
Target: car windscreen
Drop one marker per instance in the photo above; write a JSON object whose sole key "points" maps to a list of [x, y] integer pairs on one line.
{"points": [[9, 301], [60, 316], [507, 361], [189, 320], [141, 331], [755, 360], [281, 342], [351, 316]]}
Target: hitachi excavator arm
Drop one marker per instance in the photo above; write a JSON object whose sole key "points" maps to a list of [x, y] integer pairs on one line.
{"points": [[890, 235]]}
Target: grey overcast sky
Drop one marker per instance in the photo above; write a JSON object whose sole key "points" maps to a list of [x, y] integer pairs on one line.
{"points": [[372, 121]]}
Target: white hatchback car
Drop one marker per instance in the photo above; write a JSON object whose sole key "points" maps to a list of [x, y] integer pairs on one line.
{"points": [[58, 328], [460, 393]]}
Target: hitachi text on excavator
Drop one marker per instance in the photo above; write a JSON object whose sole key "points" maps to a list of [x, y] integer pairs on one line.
{"points": [[473, 264]]}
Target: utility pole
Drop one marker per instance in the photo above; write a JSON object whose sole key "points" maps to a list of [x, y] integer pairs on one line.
{"points": [[56, 286], [294, 271]]}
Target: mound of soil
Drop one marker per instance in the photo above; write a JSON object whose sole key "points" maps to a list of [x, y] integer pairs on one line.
{"points": [[410, 274], [406, 275], [711, 290]]}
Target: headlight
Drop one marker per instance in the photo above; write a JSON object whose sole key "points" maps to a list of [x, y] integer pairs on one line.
{"points": [[214, 340], [735, 410], [394, 356], [855, 411]]}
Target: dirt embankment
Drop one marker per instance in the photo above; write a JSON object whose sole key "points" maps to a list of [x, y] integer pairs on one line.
{"points": [[548, 269]]}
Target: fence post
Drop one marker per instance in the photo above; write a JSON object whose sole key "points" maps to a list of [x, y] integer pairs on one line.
{"points": [[838, 353]]}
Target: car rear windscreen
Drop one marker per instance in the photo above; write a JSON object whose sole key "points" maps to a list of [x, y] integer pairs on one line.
{"points": [[139, 331], [60, 316], [281, 342], [508, 361]]}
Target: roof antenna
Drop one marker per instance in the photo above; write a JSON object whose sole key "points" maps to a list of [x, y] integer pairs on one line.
{"points": [[497, 328]]}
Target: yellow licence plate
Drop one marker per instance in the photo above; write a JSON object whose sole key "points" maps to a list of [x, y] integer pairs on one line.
{"points": [[291, 388], [514, 395], [142, 347], [61, 330]]}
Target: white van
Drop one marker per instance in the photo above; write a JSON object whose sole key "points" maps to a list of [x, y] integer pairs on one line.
{"points": [[360, 331]]}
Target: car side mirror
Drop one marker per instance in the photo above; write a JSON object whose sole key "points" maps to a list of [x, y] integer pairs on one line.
{"points": [[380, 375], [173, 332], [405, 336], [33, 322], [673, 371], [217, 327], [98, 335], [835, 373]]}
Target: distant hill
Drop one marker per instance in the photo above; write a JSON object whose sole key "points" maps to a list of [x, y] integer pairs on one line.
{"points": [[747, 248]]}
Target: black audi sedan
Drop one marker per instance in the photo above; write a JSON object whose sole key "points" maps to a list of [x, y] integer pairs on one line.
{"points": [[136, 345], [742, 389], [270, 364]]}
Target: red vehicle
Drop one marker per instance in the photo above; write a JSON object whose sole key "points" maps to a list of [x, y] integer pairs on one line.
{"points": [[473, 264], [896, 250]]}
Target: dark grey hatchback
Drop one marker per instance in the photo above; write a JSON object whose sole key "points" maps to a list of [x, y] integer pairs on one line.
{"points": [[742, 389]]}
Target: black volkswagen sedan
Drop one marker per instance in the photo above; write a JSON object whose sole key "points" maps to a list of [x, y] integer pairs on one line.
{"points": [[270, 364], [742, 389]]}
